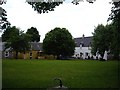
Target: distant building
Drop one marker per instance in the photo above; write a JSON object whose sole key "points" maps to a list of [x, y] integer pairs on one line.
{"points": [[33, 53], [83, 47], [82, 50]]}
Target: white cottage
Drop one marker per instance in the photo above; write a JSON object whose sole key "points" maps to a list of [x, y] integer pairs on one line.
{"points": [[83, 47]]}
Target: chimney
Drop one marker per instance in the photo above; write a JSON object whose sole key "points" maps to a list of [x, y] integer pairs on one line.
{"points": [[83, 36], [82, 41]]}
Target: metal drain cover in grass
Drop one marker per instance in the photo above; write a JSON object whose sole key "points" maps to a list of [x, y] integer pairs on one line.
{"points": [[60, 87]]}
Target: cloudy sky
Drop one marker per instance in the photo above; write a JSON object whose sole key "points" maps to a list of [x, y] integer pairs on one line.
{"points": [[78, 19]]}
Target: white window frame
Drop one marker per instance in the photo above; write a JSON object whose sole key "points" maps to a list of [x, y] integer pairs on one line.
{"points": [[6, 54], [31, 55]]}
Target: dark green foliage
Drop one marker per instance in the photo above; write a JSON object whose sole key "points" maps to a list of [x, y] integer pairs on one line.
{"points": [[102, 39], [115, 17], [9, 33], [106, 38], [59, 42], [44, 7], [34, 34], [115, 12], [16, 40], [3, 19]]}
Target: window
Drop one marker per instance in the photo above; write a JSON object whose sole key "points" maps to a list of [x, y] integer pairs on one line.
{"points": [[86, 53], [81, 54], [30, 55], [6, 54], [80, 45]]}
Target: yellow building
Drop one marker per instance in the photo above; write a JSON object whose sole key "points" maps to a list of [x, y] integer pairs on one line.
{"points": [[33, 53]]}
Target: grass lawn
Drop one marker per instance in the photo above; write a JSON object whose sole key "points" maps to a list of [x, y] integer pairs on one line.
{"points": [[74, 73]]}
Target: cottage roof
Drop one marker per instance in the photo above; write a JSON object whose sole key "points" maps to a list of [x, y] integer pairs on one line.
{"points": [[85, 41], [0, 39], [36, 46]]}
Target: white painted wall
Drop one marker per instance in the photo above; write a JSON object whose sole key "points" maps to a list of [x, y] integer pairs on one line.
{"points": [[83, 50]]}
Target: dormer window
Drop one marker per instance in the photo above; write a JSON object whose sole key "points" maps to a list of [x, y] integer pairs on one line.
{"points": [[80, 45], [30, 55]]}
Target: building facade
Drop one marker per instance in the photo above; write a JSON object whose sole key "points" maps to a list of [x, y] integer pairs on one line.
{"points": [[83, 47], [33, 53]]}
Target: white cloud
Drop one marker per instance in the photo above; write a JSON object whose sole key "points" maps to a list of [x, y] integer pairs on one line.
{"points": [[78, 19]]}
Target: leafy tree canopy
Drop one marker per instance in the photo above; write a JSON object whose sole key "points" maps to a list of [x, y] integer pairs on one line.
{"points": [[99, 42], [49, 5], [59, 42], [16, 40], [9, 32], [115, 12], [115, 17], [104, 38], [34, 34], [3, 19], [44, 7], [108, 37]]}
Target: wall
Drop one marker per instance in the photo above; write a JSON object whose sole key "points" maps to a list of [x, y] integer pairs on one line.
{"points": [[22, 55], [27, 55], [83, 50]]}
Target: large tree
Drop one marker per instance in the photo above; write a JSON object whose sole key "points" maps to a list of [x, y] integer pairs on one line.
{"points": [[16, 40], [49, 5], [108, 37], [102, 39], [44, 7], [34, 34], [115, 17], [59, 42], [9, 32], [3, 17]]}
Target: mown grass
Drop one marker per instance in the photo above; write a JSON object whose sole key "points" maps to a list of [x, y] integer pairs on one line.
{"points": [[74, 73]]}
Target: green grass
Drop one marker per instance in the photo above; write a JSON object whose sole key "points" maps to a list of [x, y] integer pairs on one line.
{"points": [[74, 74]]}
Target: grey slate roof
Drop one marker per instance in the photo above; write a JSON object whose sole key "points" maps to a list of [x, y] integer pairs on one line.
{"points": [[36, 46], [85, 41], [0, 39]]}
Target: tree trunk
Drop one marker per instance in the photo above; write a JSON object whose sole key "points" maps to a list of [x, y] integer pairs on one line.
{"points": [[24, 55], [58, 57], [16, 55], [116, 55]]}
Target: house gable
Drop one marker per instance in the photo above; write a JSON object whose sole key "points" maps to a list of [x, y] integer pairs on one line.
{"points": [[85, 41]]}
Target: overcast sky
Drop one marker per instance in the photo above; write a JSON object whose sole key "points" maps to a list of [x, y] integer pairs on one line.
{"points": [[78, 19]]}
